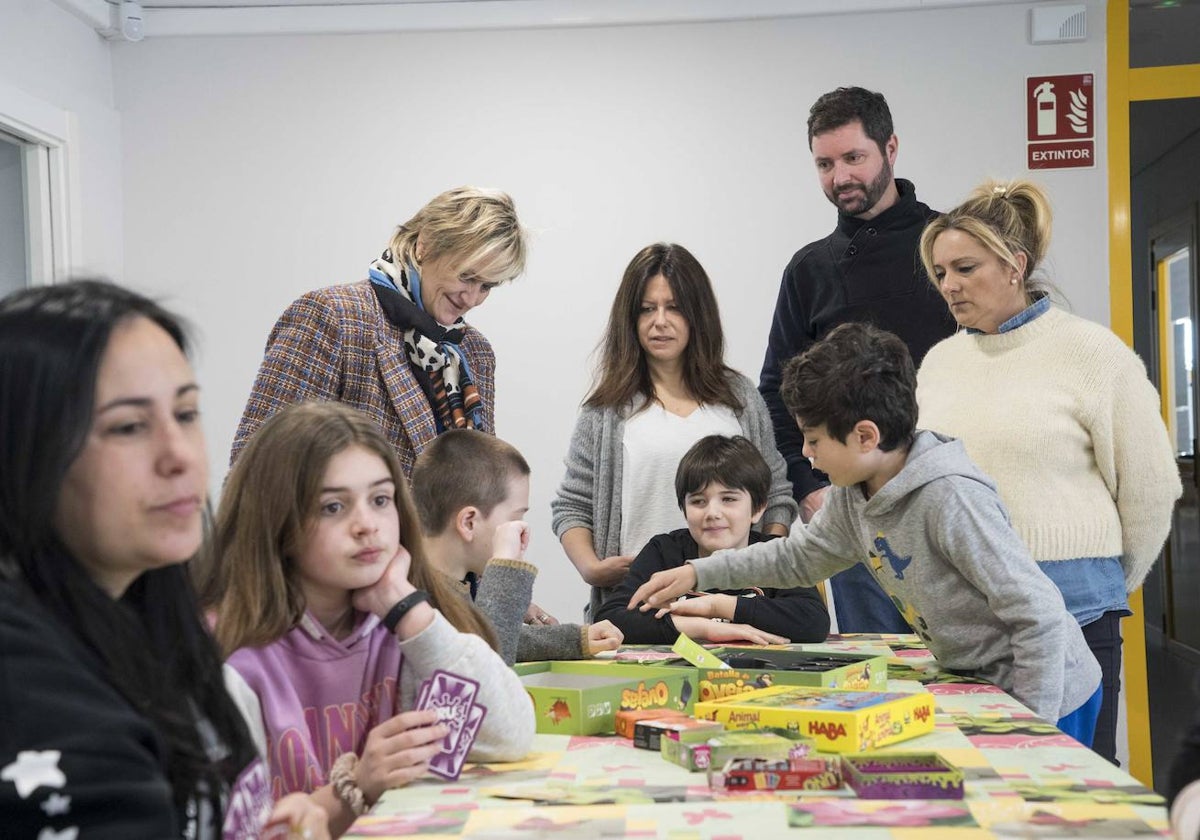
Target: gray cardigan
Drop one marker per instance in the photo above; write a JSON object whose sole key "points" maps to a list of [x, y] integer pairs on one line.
{"points": [[590, 493]]}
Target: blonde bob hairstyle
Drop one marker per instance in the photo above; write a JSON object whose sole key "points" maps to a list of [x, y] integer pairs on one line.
{"points": [[269, 505], [472, 227], [1007, 218]]}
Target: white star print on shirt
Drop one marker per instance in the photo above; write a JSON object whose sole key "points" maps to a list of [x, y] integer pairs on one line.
{"points": [[56, 805], [66, 834], [32, 769]]}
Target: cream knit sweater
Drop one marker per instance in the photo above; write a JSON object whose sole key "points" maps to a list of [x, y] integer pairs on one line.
{"points": [[1060, 413]]}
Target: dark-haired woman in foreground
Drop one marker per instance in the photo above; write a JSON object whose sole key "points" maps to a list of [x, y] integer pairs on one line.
{"points": [[115, 718]]}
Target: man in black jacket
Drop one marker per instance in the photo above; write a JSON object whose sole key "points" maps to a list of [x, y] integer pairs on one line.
{"points": [[866, 270]]}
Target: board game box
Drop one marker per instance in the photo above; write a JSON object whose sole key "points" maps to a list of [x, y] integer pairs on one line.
{"points": [[837, 721], [754, 774], [912, 775], [753, 668], [583, 698]]}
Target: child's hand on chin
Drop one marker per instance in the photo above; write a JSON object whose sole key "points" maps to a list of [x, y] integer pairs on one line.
{"points": [[392, 585], [510, 540]]}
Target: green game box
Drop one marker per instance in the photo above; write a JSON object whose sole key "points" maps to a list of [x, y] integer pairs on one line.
{"points": [[583, 698], [754, 668]]}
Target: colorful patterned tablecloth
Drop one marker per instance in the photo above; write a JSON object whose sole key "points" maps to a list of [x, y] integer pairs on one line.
{"points": [[1023, 778]]}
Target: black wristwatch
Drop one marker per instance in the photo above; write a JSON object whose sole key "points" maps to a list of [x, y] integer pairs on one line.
{"points": [[396, 613]]}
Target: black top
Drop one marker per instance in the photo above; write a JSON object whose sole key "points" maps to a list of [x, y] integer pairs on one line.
{"points": [[863, 271], [796, 614]]}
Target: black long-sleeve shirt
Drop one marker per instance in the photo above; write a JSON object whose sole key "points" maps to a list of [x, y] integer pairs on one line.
{"points": [[863, 271], [797, 614]]}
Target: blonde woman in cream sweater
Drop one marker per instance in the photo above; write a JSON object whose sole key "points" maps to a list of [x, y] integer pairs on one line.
{"points": [[1056, 409]]}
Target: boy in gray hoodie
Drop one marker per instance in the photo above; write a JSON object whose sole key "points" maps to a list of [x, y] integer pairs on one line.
{"points": [[925, 521]]}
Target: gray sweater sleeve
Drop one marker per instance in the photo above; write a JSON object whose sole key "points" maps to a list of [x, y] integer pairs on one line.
{"points": [[573, 504], [508, 729], [805, 557], [756, 425], [504, 593], [973, 533]]}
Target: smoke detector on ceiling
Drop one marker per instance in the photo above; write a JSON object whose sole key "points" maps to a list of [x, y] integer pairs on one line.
{"points": [[126, 22], [1058, 24]]}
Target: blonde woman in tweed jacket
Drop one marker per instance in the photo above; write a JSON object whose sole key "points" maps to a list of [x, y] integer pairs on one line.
{"points": [[395, 345]]}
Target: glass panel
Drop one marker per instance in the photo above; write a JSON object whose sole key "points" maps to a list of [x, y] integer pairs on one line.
{"points": [[1163, 32], [14, 263], [1181, 399]]}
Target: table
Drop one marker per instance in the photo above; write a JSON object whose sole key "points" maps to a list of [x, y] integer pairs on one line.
{"points": [[1023, 778]]}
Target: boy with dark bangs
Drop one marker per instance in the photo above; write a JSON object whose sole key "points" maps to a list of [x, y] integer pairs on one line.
{"points": [[721, 484]]}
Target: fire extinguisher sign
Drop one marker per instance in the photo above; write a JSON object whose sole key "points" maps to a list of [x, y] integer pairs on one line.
{"points": [[1061, 119]]}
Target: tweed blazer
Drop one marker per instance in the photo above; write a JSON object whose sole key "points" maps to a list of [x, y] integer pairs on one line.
{"points": [[336, 344]]}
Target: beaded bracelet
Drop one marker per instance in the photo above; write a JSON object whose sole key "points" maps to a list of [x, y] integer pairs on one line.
{"points": [[345, 784]]}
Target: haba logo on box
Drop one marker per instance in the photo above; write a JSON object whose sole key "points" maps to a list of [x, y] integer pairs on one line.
{"points": [[645, 698], [1061, 121], [921, 713], [827, 729]]}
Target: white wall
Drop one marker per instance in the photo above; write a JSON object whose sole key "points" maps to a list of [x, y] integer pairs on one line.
{"points": [[256, 168], [49, 55]]}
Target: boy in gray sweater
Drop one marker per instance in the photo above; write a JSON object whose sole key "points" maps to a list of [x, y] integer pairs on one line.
{"points": [[925, 521], [471, 491]]}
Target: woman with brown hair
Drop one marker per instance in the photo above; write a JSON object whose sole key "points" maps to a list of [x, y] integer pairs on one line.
{"points": [[661, 385], [325, 600]]}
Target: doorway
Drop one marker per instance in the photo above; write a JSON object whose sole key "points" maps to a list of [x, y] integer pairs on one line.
{"points": [[1165, 202]]}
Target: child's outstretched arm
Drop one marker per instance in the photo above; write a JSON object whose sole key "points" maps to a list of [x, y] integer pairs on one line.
{"points": [[663, 588]]}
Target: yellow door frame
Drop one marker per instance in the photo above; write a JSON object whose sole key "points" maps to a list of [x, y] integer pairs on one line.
{"points": [[1125, 85]]}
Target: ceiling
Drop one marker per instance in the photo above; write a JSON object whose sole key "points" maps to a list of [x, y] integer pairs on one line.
{"points": [[164, 18], [250, 4]]}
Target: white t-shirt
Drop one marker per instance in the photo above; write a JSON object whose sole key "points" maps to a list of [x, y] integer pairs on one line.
{"points": [[653, 442]]}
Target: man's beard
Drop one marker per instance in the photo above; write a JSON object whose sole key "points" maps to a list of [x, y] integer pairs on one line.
{"points": [[856, 198]]}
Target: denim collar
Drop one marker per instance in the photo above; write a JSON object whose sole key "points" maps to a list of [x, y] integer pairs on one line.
{"points": [[1037, 308]]}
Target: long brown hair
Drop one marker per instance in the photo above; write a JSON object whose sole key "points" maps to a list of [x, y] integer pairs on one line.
{"points": [[622, 372], [267, 507]]}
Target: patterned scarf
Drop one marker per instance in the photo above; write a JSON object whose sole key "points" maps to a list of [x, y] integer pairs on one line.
{"points": [[433, 351]]}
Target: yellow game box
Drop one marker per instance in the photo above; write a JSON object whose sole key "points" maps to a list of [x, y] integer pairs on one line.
{"points": [[837, 721]]}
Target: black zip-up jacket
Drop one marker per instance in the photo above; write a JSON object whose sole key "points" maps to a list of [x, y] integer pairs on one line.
{"points": [[863, 271]]}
